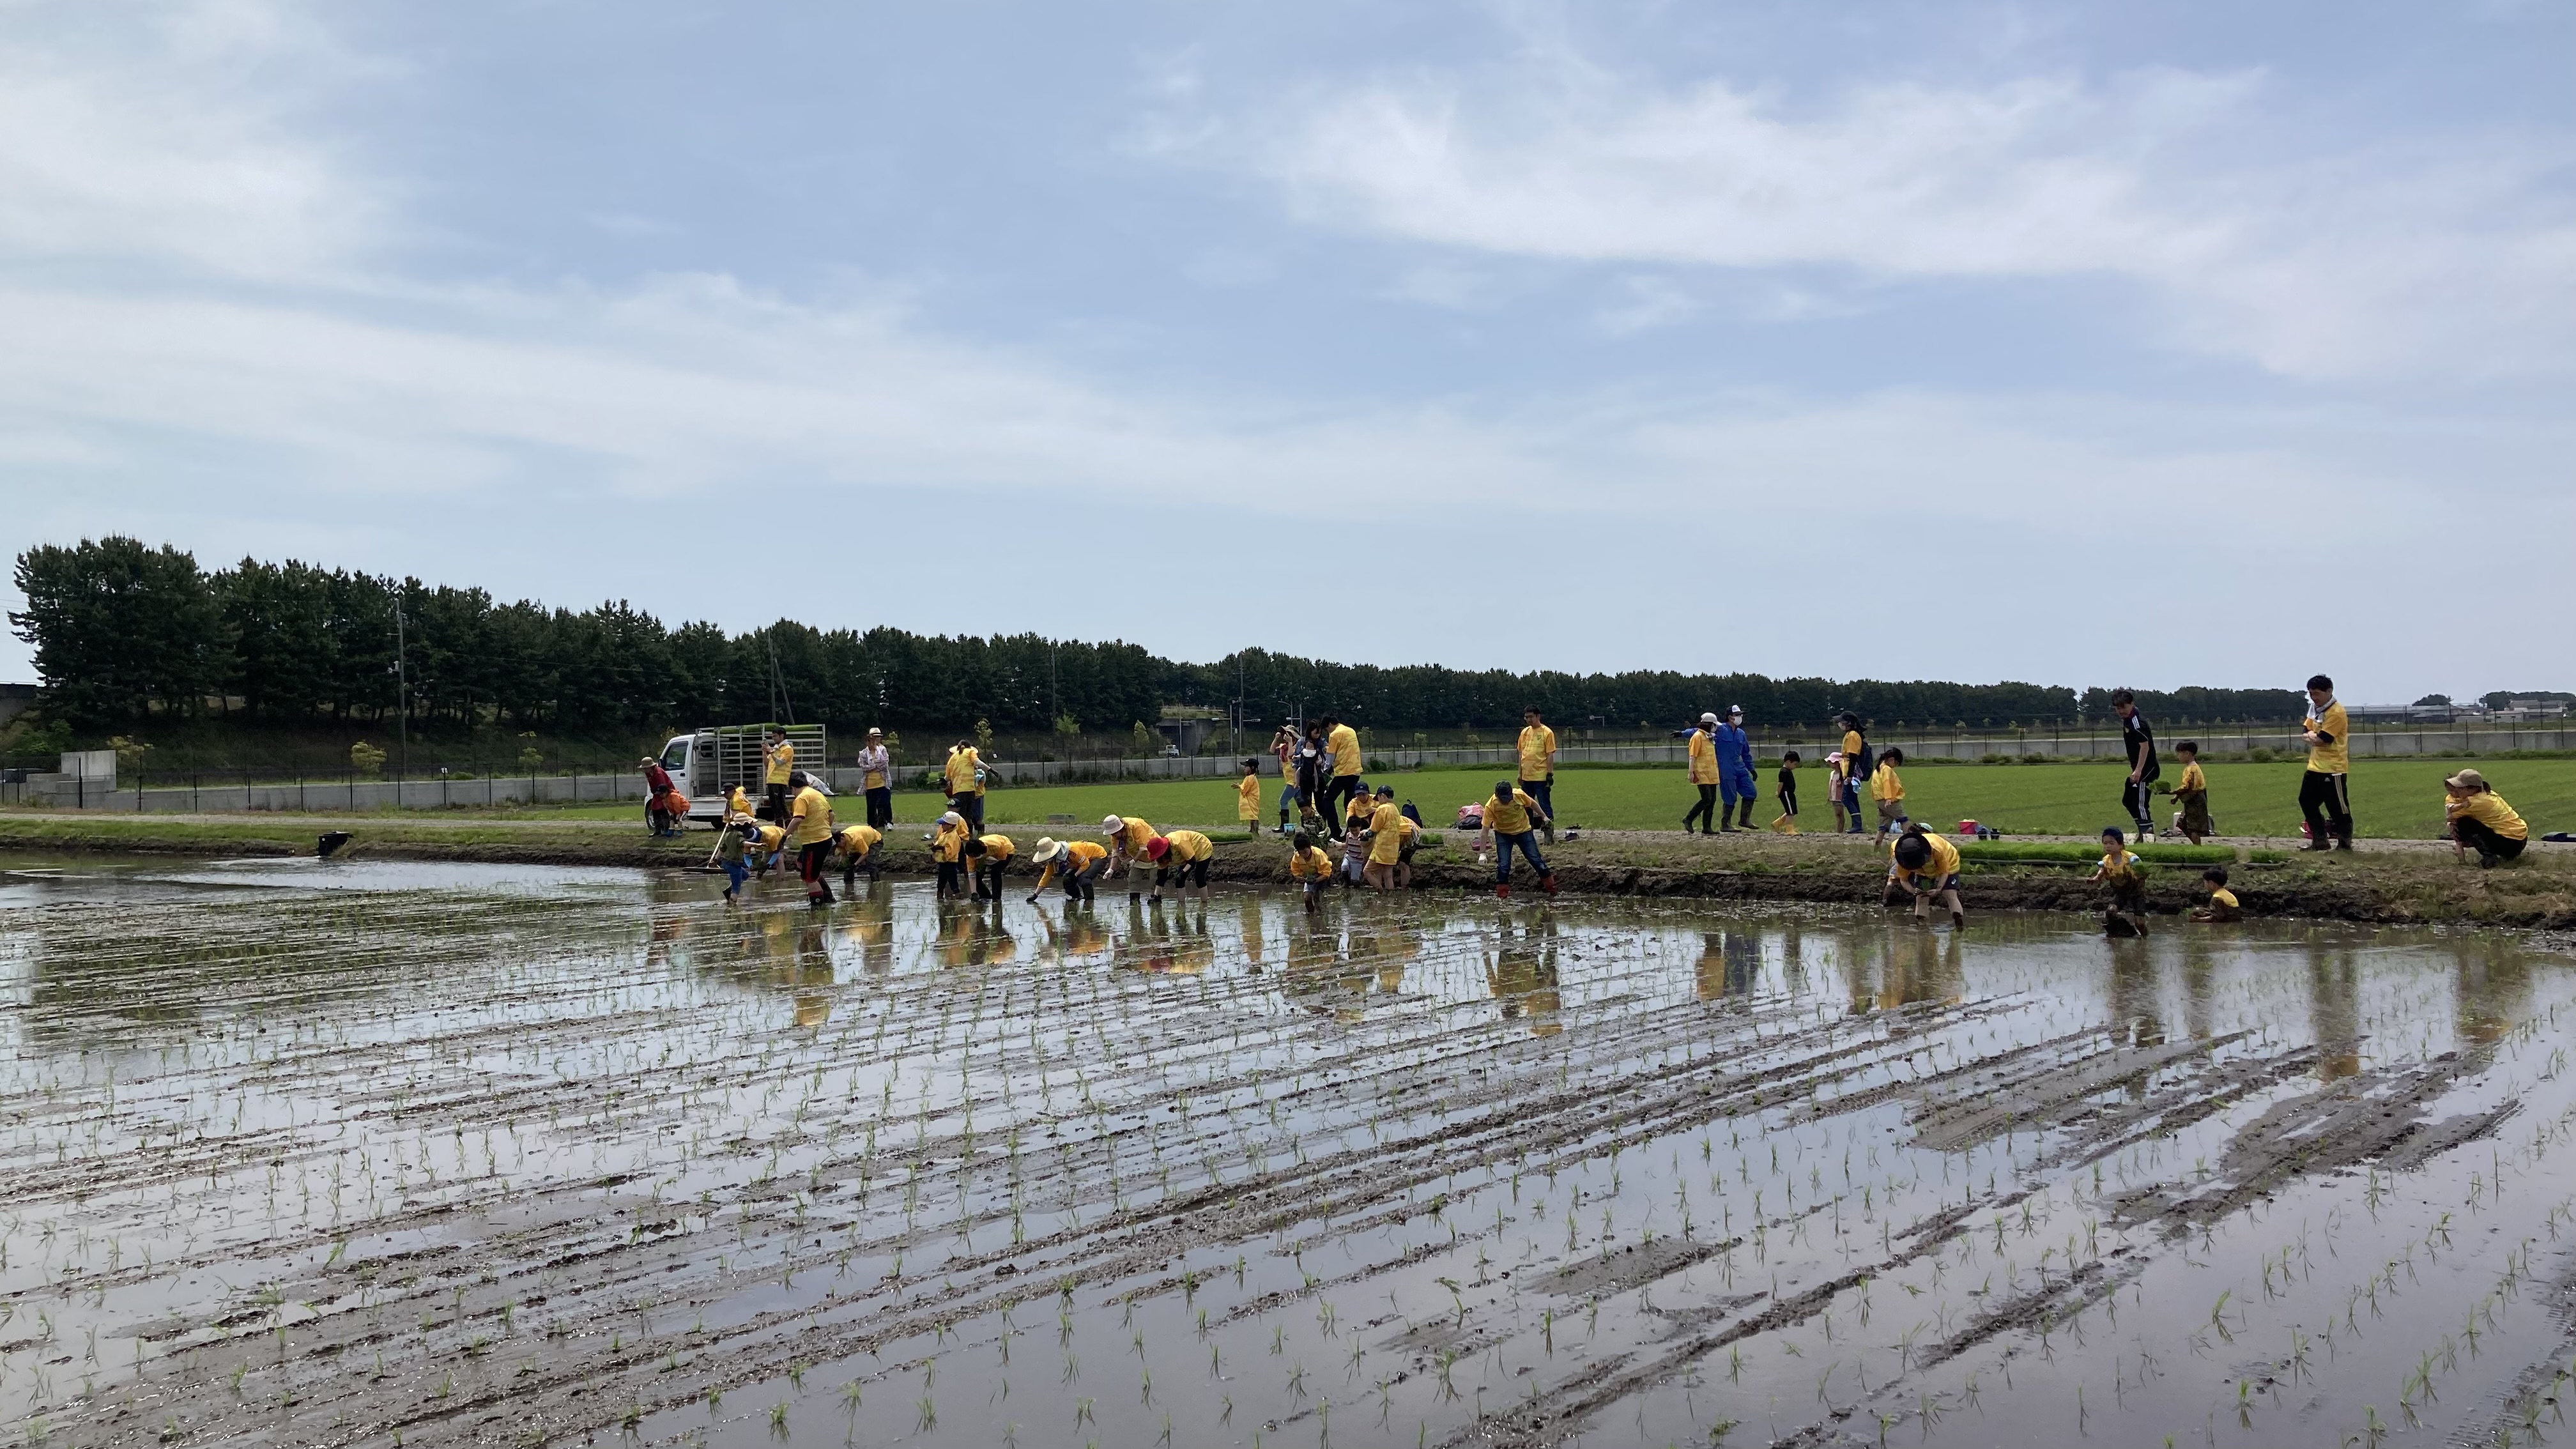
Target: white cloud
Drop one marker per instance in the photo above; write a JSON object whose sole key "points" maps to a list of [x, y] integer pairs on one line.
{"points": [[167, 135], [2451, 257]]}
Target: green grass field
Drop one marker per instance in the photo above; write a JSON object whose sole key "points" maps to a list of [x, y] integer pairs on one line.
{"points": [[2391, 799]]}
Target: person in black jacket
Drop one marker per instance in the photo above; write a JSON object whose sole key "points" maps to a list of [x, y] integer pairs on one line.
{"points": [[2138, 747]]}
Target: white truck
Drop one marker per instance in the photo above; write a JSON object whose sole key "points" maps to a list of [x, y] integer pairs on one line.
{"points": [[706, 764]]}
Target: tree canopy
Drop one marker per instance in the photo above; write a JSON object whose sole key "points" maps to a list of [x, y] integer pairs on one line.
{"points": [[122, 631]]}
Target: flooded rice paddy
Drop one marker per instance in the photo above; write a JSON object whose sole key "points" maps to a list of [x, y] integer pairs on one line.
{"points": [[296, 1153]]}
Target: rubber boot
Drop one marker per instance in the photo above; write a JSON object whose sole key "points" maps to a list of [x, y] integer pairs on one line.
{"points": [[1502, 892], [1548, 882]]}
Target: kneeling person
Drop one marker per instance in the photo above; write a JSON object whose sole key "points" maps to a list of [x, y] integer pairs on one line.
{"points": [[2481, 821]]}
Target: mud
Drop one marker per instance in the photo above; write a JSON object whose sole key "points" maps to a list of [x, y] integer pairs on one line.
{"points": [[376, 1152]]}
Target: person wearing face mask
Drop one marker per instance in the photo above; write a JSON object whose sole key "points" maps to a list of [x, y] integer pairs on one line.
{"points": [[1735, 767]]}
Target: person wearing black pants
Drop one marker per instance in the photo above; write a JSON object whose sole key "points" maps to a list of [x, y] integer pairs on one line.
{"points": [[2138, 744], [1705, 812], [2325, 798]]}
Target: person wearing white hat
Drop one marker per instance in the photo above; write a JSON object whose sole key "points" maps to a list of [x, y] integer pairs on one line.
{"points": [[948, 851], [876, 777], [1127, 837], [1080, 862], [1705, 773]]}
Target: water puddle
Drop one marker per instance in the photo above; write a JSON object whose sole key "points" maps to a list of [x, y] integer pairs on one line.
{"points": [[368, 1153]]}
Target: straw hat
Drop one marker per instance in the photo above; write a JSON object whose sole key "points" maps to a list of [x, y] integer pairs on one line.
{"points": [[1048, 849]]}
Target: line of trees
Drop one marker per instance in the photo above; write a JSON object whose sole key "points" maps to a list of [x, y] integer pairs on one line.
{"points": [[124, 632]]}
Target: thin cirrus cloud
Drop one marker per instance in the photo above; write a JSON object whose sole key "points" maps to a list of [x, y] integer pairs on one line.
{"points": [[2340, 260]]}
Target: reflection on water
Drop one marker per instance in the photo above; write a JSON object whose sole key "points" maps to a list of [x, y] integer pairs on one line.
{"points": [[822, 1137]]}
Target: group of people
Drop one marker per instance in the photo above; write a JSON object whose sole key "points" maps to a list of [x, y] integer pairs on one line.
{"points": [[1323, 797]]}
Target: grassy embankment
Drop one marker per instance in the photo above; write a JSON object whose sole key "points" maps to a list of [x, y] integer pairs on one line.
{"points": [[2391, 885], [2392, 799]]}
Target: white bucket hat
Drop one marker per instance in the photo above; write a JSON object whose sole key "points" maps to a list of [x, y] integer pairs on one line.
{"points": [[1111, 825], [1048, 849]]}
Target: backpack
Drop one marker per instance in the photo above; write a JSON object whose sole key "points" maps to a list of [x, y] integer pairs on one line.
{"points": [[1868, 761]]}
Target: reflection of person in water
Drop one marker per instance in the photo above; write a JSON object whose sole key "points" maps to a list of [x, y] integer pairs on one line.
{"points": [[1250, 930], [2137, 1005], [1522, 974], [870, 926], [1913, 969], [2199, 979], [2334, 1011], [1728, 963], [2492, 984]]}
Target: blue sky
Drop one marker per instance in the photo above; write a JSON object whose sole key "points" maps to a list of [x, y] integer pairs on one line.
{"points": [[2084, 344]]}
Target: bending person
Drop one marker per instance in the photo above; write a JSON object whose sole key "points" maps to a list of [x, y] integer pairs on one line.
{"points": [[1928, 867], [1509, 818]]}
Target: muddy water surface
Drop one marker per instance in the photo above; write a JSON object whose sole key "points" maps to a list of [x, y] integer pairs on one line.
{"points": [[300, 1153]]}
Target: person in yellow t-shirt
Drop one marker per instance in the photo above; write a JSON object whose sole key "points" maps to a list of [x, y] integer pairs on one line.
{"points": [[738, 803], [858, 846], [1888, 791], [1247, 798], [809, 830], [964, 777], [1127, 836], [1927, 866], [2191, 792], [988, 859], [1854, 745], [1080, 862], [1181, 857], [2325, 792], [1310, 865], [2481, 821], [1342, 757], [773, 839], [1538, 767], [1386, 841], [1508, 824], [779, 760], [1362, 806], [2222, 901], [2125, 874], [948, 853], [1705, 773]]}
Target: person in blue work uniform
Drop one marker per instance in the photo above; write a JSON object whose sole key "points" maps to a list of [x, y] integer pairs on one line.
{"points": [[1735, 770]]}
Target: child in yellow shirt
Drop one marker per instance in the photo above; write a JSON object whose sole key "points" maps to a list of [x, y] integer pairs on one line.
{"points": [[1247, 798], [1889, 793], [1311, 866], [2191, 792], [2125, 874], [2222, 901]]}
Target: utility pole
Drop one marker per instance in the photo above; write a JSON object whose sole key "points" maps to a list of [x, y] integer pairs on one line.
{"points": [[402, 704]]}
